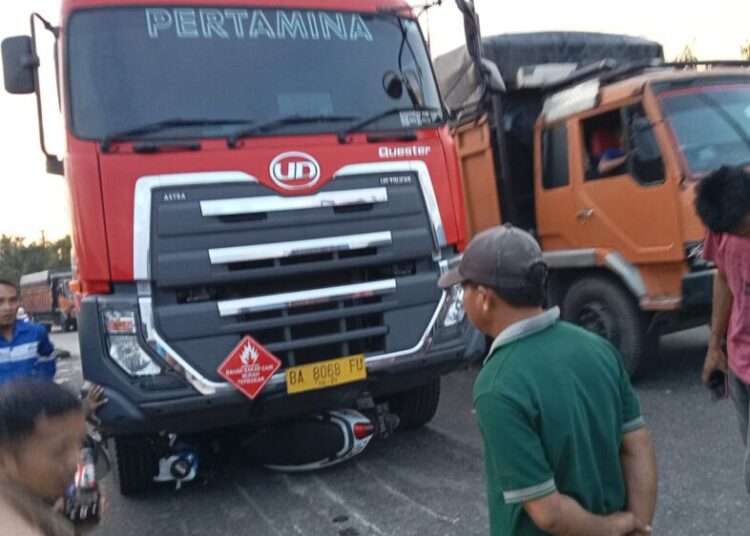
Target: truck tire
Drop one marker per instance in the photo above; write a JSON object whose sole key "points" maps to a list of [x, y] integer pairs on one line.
{"points": [[417, 407], [136, 463], [604, 307]]}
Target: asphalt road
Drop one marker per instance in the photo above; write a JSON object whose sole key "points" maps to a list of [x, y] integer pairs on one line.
{"points": [[430, 481]]}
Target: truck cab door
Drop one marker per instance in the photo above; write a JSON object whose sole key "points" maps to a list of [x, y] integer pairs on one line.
{"points": [[623, 201], [555, 194]]}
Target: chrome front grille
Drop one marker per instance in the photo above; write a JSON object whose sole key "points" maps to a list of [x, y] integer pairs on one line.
{"points": [[345, 271]]}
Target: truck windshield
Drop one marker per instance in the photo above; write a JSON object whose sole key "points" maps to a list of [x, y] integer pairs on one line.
{"points": [[135, 66], [712, 124]]}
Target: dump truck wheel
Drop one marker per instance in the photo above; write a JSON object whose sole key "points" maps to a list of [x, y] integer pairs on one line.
{"points": [[603, 306], [417, 407]]}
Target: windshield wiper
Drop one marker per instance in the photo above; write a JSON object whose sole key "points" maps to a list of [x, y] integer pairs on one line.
{"points": [[273, 124], [150, 128], [344, 134]]}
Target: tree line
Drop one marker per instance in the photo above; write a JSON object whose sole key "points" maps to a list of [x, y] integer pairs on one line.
{"points": [[17, 257], [688, 56]]}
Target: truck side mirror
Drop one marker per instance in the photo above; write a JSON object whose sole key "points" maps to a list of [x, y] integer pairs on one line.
{"points": [[19, 62], [54, 165], [393, 85], [411, 82], [493, 77], [642, 140], [487, 71], [645, 162]]}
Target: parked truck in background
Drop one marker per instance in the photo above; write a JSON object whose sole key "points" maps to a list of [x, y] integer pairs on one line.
{"points": [[284, 173], [624, 246], [47, 299]]}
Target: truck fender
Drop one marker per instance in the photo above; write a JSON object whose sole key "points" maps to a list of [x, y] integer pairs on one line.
{"points": [[614, 262], [628, 273]]}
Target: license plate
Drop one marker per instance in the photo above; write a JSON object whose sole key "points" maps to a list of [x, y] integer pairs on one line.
{"points": [[325, 374]]}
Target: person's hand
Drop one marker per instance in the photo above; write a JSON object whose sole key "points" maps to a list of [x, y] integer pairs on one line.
{"points": [[646, 531], [716, 359], [626, 524], [84, 527], [609, 165], [59, 506], [94, 400]]}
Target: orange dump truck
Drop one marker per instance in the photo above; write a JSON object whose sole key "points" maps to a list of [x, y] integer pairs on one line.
{"points": [[47, 299], [595, 145]]}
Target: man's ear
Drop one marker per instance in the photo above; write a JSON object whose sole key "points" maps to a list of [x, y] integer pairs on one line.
{"points": [[485, 297], [8, 462], [743, 229], [487, 300]]}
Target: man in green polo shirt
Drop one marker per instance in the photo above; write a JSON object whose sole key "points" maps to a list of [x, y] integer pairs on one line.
{"points": [[566, 449]]}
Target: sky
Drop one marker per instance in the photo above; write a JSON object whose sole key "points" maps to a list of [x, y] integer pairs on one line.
{"points": [[33, 202]]}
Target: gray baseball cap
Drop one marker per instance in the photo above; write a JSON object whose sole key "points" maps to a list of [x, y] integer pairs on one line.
{"points": [[503, 257]]}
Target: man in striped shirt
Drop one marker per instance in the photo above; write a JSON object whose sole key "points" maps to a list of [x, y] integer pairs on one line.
{"points": [[25, 348]]}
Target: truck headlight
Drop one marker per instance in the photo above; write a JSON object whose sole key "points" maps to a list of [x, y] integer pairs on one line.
{"points": [[455, 314], [124, 348], [452, 322]]}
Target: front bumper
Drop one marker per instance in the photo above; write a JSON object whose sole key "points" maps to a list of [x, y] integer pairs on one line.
{"points": [[695, 306], [697, 291], [181, 400], [186, 411]]}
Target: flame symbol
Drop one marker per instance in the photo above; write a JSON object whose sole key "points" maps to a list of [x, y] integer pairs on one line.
{"points": [[249, 353]]}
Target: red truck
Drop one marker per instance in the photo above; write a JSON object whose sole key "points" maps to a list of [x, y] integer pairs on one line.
{"points": [[285, 173], [47, 298]]}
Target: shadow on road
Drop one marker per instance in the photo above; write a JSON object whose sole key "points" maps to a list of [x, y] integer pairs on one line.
{"points": [[417, 482], [680, 359]]}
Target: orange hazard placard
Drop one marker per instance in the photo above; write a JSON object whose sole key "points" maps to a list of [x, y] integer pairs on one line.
{"points": [[249, 367]]}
